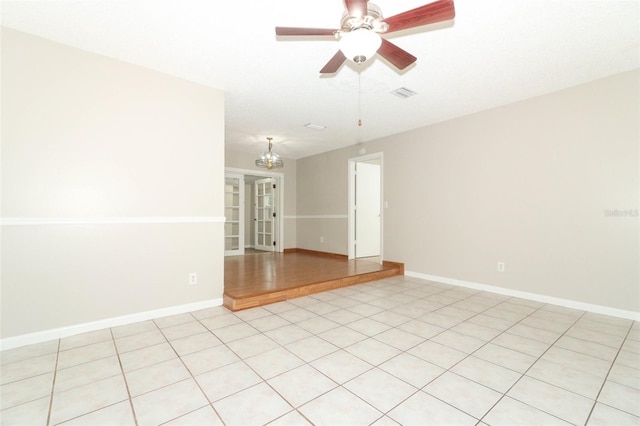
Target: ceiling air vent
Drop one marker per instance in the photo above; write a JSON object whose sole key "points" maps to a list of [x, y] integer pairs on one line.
{"points": [[315, 126], [403, 93]]}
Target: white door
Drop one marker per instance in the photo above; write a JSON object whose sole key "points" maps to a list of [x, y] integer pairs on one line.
{"points": [[234, 214], [367, 209], [265, 220]]}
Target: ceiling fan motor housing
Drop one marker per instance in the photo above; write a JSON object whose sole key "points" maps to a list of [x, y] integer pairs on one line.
{"points": [[373, 20]]}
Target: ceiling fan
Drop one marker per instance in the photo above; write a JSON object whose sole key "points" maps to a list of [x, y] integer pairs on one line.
{"points": [[361, 26]]}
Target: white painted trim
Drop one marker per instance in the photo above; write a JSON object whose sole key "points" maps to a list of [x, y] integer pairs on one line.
{"points": [[321, 216], [351, 215], [567, 303], [27, 221], [254, 172], [58, 333]]}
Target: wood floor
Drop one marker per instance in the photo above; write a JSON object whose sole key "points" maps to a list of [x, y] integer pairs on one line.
{"points": [[261, 279]]}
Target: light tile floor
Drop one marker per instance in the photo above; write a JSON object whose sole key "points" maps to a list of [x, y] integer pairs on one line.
{"points": [[395, 351]]}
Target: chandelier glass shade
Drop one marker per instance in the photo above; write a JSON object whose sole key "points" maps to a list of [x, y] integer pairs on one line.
{"points": [[360, 44], [269, 159]]}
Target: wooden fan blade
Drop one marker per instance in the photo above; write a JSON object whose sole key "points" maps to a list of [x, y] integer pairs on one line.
{"points": [[334, 63], [438, 11], [293, 31], [356, 8], [398, 57]]}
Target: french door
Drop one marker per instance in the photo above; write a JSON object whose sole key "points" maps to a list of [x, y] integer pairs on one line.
{"points": [[252, 204], [234, 214], [265, 218]]}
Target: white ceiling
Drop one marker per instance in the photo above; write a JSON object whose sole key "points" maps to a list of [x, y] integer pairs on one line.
{"points": [[495, 52]]}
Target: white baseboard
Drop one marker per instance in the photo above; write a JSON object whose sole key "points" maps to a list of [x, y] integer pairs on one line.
{"points": [[567, 303], [58, 333]]}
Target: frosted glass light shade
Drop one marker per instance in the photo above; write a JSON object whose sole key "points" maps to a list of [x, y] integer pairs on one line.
{"points": [[269, 159], [360, 44]]}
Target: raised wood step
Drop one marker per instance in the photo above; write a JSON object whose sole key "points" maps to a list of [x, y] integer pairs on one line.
{"points": [[261, 279]]}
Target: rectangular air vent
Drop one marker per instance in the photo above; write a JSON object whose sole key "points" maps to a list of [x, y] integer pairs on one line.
{"points": [[403, 93], [315, 126]]}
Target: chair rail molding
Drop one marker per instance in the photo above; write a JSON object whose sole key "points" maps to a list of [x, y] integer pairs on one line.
{"points": [[27, 221]]}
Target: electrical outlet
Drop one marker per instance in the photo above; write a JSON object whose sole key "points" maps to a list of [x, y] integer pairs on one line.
{"points": [[193, 278], [500, 266], [321, 239]]}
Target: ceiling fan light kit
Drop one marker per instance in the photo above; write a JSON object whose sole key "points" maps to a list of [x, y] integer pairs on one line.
{"points": [[362, 25], [269, 159], [360, 44]]}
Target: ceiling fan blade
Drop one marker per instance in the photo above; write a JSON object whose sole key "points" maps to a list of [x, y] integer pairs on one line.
{"points": [[356, 8], [398, 57], [293, 31], [438, 11], [334, 63]]}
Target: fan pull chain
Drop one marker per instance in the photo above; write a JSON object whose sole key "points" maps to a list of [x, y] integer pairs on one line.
{"points": [[359, 101]]}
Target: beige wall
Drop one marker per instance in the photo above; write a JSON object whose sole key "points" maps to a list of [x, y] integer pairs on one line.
{"points": [[322, 201], [246, 161], [527, 184], [88, 138]]}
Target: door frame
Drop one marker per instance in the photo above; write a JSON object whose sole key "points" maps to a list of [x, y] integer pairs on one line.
{"points": [[279, 177], [352, 201]]}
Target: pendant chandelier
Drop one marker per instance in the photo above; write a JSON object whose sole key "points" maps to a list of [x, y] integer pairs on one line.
{"points": [[269, 159]]}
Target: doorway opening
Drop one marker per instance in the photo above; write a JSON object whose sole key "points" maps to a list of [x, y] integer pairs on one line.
{"points": [[365, 222], [253, 205]]}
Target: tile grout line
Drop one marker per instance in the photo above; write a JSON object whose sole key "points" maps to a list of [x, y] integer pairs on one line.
{"points": [[193, 377], [367, 336], [313, 334], [266, 381], [529, 368], [483, 345], [470, 354], [445, 329], [448, 370], [595, 402], [53, 384], [124, 377], [112, 336], [307, 363], [575, 323], [396, 327], [385, 413]]}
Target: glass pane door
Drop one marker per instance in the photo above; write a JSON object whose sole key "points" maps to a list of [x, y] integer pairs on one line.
{"points": [[264, 237], [234, 215]]}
